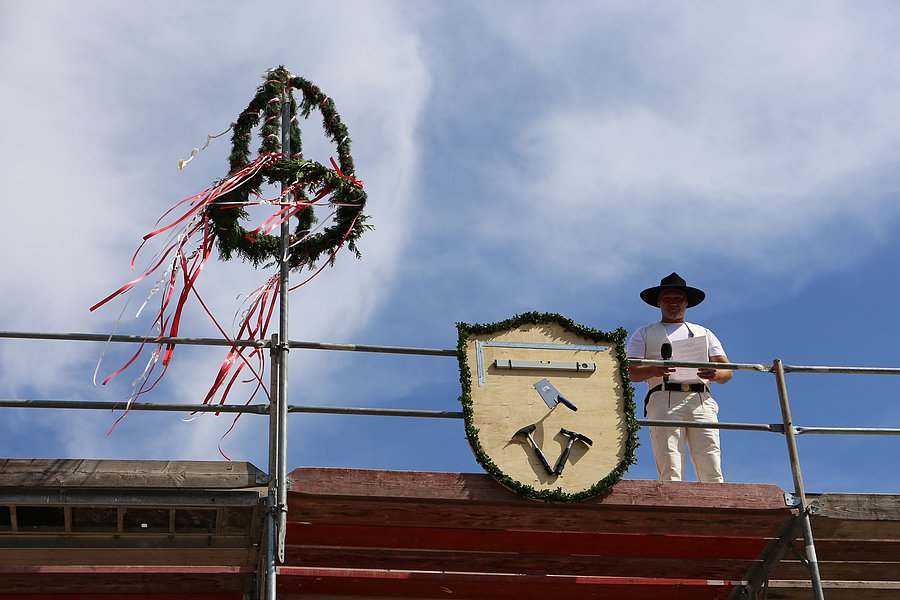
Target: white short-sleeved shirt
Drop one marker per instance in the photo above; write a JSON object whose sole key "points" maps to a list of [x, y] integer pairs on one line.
{"points": [[637, 345]]}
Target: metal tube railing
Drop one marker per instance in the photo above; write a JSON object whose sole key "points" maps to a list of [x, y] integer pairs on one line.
{"points": [[278, 411], [263, 409]]}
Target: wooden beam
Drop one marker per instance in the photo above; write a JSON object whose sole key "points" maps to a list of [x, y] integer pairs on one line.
{"points": [[526, 542], [549, 563], [531, 515], [127, 474], [480, 488], [834, 590], [859, 507], [843, 570], [49, 556], [129, 582], [126, 596], [296, 582]]}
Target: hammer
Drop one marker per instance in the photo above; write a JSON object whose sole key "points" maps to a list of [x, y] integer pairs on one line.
{"points": [[527, 431], [573, 437]]}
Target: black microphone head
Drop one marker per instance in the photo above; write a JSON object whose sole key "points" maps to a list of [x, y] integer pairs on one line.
{"points": [[665, 351]]}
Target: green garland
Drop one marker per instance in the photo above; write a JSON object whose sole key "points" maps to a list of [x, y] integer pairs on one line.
{"points": [[232, 238], [617, 337]]}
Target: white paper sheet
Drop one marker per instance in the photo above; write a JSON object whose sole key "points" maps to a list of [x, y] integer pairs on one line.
{"points": [[688, 350]]}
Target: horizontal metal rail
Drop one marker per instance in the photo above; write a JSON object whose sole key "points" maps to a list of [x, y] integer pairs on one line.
{"points": [[256, 409], [848, 430], [141, 339], [380, 349], [376, 412], [771, 427], [133, 339], [766, 368], [259, 409], [761, 368], [263, 409]]}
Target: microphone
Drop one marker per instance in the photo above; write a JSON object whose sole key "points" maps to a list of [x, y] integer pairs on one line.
{"points": [[665, 351]]}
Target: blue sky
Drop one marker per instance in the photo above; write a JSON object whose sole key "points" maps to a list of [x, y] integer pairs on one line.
{"points": [[518, 156]]}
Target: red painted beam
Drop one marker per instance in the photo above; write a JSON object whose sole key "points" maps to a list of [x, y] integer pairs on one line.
{"points": [[530, 542], [526, 564], [482, 489], [294, 582]]}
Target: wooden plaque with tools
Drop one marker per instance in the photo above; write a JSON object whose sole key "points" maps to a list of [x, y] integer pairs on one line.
{"points": [[548, 411]]}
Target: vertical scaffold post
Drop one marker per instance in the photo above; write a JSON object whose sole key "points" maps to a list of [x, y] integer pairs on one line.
{"points": [[284, 346], [794, 457], [269, 540]]}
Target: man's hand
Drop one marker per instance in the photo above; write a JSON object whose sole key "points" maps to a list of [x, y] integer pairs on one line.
{"points": [[716, 375]]}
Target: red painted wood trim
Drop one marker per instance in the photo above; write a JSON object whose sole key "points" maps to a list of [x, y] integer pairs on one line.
{"points": [[462, 586], [533, 515], [529, 542], [530, 564], [481, 488]]}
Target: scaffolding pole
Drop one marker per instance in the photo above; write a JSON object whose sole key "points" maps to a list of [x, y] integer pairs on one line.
{"points": [[812, 562]]}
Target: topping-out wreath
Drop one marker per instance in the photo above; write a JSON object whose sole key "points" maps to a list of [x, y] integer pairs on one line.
{"points": [[212, 219]]}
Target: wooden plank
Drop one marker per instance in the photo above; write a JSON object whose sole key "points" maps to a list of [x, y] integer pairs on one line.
{"points": [[526, 542], [122, 582], [842, 570], [479, 488], [827, 527], [855, 550], [113, 541], [128, 474], [245, 556], [549, 563], [531, 515], [125, 596], [834, 590], [296, 582], [865, 507], [117, 569], [856, 516]]}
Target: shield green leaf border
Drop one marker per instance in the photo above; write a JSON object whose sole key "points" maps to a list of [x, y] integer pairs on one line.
{"points": [[617, 336]]}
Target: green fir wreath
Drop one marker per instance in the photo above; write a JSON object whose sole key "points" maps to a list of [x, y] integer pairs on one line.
{"points": [[617, 337], [306, 246]]}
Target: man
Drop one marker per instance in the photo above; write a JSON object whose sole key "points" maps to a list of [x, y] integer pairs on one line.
{"points": [[686, 397]]}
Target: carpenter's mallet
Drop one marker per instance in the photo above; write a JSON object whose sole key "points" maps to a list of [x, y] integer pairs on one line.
{"points": [[573, 437]]}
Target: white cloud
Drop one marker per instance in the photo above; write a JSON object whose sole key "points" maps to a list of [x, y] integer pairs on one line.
{"points": [[96, 117], [741, 133]]}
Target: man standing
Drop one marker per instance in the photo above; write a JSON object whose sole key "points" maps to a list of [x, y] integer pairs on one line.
{"points": [[687, 396]]}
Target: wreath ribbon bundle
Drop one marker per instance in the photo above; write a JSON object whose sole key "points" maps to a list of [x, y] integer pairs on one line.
{"points": [[213, 218]]}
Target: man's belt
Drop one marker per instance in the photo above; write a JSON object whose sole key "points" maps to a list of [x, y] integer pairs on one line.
{"points": [[674, 387], [680, 387]]}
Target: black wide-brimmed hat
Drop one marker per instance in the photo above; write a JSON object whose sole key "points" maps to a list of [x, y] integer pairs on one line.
{"points": [[673, 282]]}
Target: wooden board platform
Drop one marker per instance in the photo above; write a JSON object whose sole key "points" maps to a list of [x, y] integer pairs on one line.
{"points": [[94, 530], [166, 530], [356, 533], [857, 539]]}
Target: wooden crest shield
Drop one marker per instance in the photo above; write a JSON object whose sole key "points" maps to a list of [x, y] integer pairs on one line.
{"points": [[548, 406]]}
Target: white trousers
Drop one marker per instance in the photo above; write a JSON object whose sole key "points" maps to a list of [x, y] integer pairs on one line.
{"points": [[669, 442]]}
